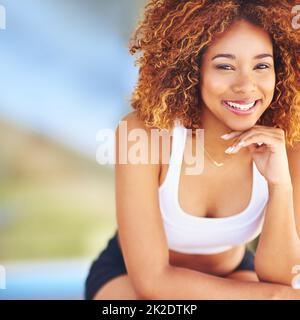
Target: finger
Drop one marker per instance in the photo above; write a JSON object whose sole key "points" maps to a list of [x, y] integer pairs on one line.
{"points": [[231, 135], [241, 134], [259, 139], [254, 132]]}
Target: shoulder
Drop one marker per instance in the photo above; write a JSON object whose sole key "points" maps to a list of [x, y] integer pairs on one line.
{"points": [[133, 120], [131, 126], [140, 136]]}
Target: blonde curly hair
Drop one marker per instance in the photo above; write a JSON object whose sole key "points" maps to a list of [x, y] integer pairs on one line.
{"points": [[172, 37]]}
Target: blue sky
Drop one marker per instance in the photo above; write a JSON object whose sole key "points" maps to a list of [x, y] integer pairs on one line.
{"points": [[65, 68]]}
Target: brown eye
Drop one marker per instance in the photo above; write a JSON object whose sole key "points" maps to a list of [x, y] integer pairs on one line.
{"points": [[264, 65], [223, 67], [260, 66]]}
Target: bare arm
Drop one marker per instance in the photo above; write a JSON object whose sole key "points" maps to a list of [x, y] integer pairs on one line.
{"points": [[186, 284], [278, 250], [144, 244], [282, 221]]}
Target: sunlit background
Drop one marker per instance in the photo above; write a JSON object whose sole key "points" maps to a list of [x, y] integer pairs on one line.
{"points": [[65, 73]]}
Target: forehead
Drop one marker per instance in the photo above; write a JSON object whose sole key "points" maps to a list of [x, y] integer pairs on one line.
{"points": [[242, 37]]}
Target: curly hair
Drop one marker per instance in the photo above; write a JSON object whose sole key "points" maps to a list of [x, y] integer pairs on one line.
{"points": [[172, 37]]}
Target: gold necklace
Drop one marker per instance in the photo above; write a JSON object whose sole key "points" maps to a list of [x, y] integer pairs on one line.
{"points": [[218, 164]]}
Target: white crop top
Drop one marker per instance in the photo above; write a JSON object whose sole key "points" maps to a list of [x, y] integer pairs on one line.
{"points": [[201, 235]]}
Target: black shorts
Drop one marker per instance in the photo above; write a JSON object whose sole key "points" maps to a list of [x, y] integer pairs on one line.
{"points": [[110, 264]]}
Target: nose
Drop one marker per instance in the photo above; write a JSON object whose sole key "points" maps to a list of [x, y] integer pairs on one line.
{"points": [[244, 83]]}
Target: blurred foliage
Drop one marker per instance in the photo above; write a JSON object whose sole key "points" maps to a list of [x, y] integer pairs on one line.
{"points": [[53, 202]]}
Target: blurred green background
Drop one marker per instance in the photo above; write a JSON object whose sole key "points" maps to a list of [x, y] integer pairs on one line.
{"points": [[55, 203], [65, 74]]}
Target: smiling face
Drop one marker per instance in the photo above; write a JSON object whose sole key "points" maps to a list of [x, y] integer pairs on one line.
{"points": [[238, 68]]}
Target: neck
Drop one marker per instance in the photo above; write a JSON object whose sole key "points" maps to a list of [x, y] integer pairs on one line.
{"points": [[213, 143]]}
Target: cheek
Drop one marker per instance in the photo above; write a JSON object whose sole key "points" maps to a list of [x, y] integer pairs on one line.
{"points": [[268, 80], [267, 85], [213, 86]]}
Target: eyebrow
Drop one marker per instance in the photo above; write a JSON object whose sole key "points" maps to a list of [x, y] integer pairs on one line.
{"points": [[231, 56]]}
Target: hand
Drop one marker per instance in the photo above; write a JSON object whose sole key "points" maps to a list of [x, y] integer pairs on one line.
{"points": [[268, 150]]}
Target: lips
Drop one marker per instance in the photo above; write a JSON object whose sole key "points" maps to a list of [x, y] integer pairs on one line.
{"points": [[245, 101], [241, 111]]}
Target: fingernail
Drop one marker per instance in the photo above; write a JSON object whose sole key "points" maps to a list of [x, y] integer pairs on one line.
{"points": [[241, 143], [229, 150], [227, 136]]}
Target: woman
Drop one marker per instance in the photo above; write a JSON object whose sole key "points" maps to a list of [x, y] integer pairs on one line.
{"points": [[223, 67]]}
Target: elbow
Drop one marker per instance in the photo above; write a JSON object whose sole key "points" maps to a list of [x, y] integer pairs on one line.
{"points": [[266, 272], [151, 291], [145, 291], [278, 266], [147, 294], [149, 288], [280, 272], [156, 286], [276, 278], [142, 290]]}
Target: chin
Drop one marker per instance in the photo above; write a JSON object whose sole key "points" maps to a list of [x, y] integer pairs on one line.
{"points": [[241, 126]]}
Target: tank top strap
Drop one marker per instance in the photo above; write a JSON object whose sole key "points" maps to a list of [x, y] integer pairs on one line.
{"points": [[178, 146]]}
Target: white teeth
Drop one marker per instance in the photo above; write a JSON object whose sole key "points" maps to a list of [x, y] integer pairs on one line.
{"points": [[240, 106]]}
